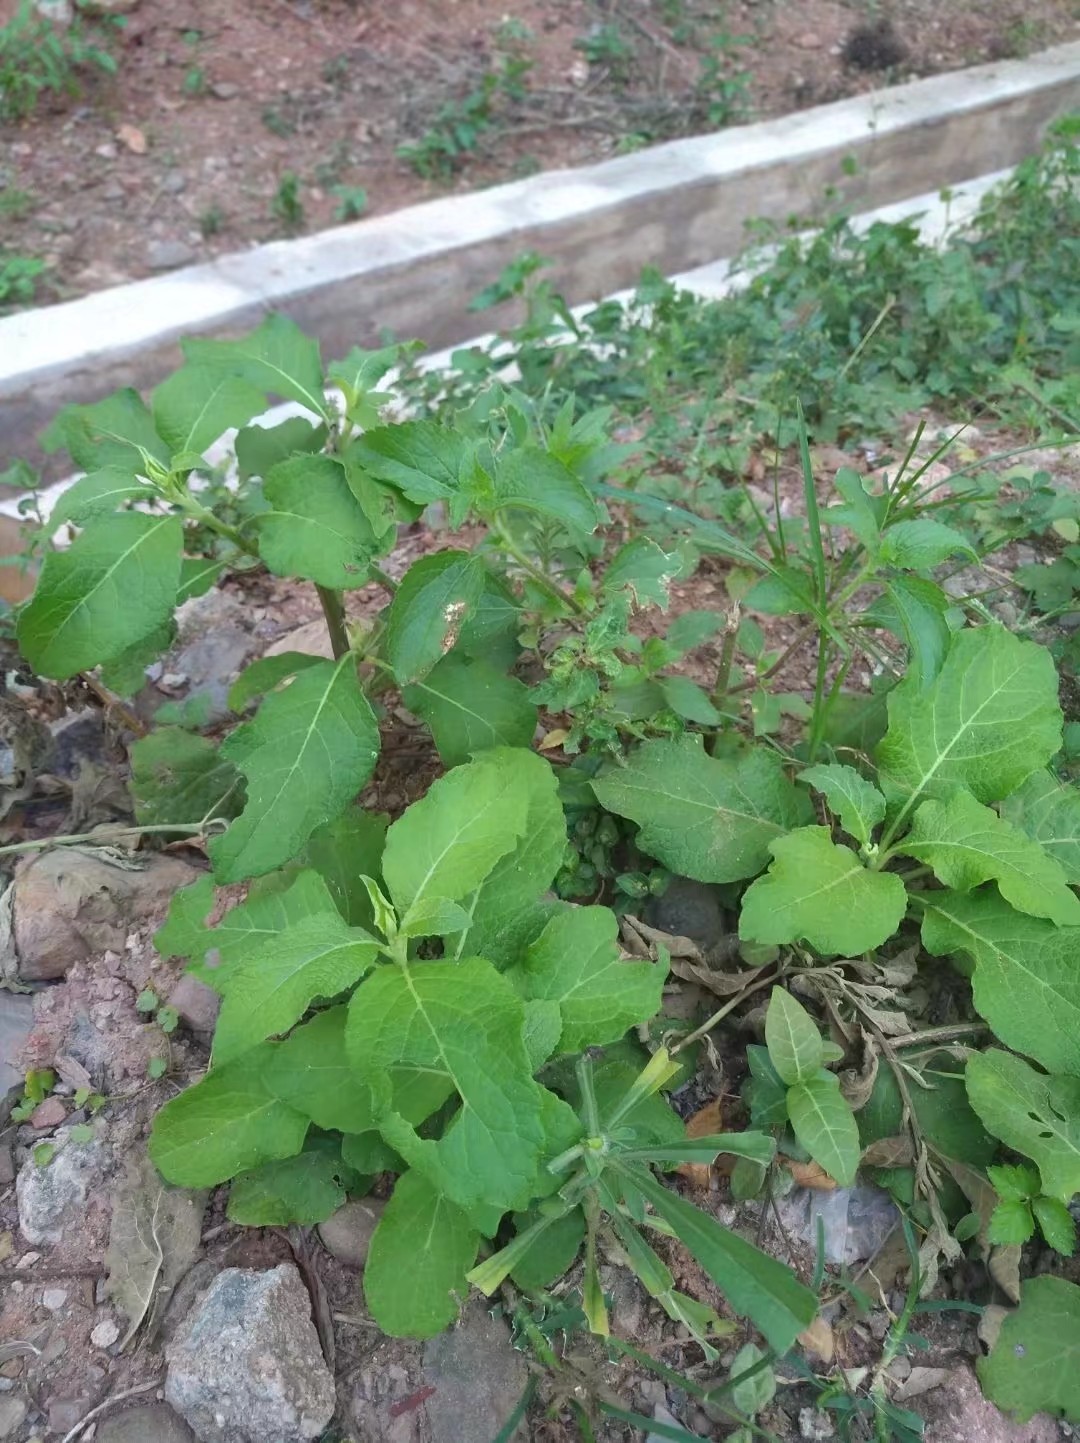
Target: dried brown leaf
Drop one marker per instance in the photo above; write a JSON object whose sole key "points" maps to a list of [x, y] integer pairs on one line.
{"points": [[132, 137], [707, 1121], [818, 1338], [154, 1238], [71, 1071], [993, 1315], [920, 1381], [1005, 1270], [809, 1174], [676, 946], [857, 1083], [889, 1152], [980, 1195]]}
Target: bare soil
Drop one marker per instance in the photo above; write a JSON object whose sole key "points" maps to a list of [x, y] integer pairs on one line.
{"points": [[181, 155]]}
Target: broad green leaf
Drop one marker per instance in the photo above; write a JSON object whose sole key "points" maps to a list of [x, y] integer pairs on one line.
{"points": [[260, 448], [434, 600], [644, 569], [533, 480], [553, 1251], [277, 358], [1010, 1223], [857, 802], [99, 494], [490, 634], [1056, 1223], [765, 1089], [688, 700], [1048, 811], [1035, 1363], [225, 1124], [796, 1050], [920, 608], [1037, 1116], [921, 544], [304, 1189], [989, 720], [311, 1071], [195, 407], [263, 676], [820, 892], [967, 844], [265, 993], [692, 629], [460, 1021], [422, 459], [108, 433], [125, 674], [420, 1252], [786, 591], [1026, 981], [824, 1123], [314, 527], [759, 1287], [505, 909], [178, 777], [448, 842], [367, 1154], [576, 963], [757, 1391], [541, 1032], [197, 576], [272, 906], [114, 585], [471, 707], [343, 851], [306, 753], [942, 1111], [862, 512], [433, 917], [361, 371], [707, 818]]}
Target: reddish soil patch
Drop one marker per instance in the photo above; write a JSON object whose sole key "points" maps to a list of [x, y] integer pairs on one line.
{"points": [[223, 99]]}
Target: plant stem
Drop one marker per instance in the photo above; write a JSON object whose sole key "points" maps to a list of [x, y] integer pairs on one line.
{"points": [[556, 593], [103, 837], [383, 579], [719, 1016], [937, 1034], [723, 671], [334, 612]]}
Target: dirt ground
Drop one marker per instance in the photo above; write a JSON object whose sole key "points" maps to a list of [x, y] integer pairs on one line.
{"points": [[187, 151]]}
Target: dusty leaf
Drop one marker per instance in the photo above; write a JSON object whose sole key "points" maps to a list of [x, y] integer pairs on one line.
{"points": [[1005, 1270], [993, 1315], [153, 1240], [706, 1122], [857, 1083], [920, 1381], [71, 1071]]}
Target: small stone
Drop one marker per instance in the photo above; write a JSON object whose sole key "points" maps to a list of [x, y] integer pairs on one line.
{"points": [[900, 1369], [48, 1114], [27, 1261], [815, 1426], [195, 1004], [7, 1165], [173, 182], [150, 1423], [167, 255], [49, 1198], [245, 1366], [809, 40], [107, 151], [54, 1299], [173, 681], [688, 909], [65, 1413], [60, 12], [13, 1411], [16, 1022], [113, 194], [225, 90], [347, 1234], [105, 1334]]}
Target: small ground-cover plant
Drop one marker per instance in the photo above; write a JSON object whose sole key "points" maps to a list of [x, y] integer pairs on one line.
{"points": [[38, 57]]}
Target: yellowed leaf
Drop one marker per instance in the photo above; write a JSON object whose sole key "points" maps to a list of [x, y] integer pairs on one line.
{"points": [[818, 1338], [133, 138], [553, 739]]}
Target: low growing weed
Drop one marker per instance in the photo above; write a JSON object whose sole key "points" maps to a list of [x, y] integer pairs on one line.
{"points": [[408, 996], [38, 58]]}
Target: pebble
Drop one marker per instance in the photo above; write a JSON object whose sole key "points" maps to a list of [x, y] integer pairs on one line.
{"points": [[106, 151], [167, 255], [174, 182], [54, 1299], [347, 1234], [12, 1413], [48, 1114], [225, 90], [28, 1260], [815, 1426], [105, 1334]]}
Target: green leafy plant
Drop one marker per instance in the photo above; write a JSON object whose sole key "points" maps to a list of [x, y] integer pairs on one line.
{"points": [[39, 58], [459, 125], [18, 279], [352, 202], [287, 205]]}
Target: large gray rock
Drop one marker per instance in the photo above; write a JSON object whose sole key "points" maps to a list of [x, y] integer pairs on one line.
{"points": [[53, 1197], [71, 903], [246, 1365], [478, 1379], [152, 1423]]}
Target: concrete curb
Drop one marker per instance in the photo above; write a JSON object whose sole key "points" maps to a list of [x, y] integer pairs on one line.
{"points": [[675, 206]]}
